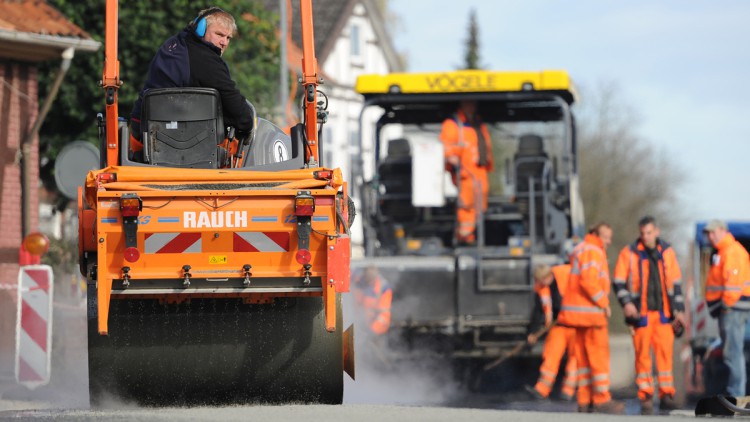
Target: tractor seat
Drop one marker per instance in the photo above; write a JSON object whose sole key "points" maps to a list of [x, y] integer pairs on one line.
{"points": [[182, 127]]}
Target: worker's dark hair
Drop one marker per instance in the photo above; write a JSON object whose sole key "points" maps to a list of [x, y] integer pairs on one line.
{"points": [[598, 226], [646, 220]]}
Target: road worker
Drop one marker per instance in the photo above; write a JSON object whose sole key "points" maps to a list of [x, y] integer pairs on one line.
{"points": [[550, 284], [193, 58], [728, 298], [648, 285], [468, 155], [373, 295], [585, 307]]}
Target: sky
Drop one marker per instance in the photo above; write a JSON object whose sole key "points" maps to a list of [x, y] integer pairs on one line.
{"points": [[683, 66]]}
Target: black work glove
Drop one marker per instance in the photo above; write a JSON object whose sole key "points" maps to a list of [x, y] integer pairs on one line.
{"points": [[633, 321], [714, 311]]}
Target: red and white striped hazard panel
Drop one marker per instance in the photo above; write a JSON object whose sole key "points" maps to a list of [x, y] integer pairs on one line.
{"points": [[158, 243], [34, 325], [261, 242], [700, 319], [173, 243]]}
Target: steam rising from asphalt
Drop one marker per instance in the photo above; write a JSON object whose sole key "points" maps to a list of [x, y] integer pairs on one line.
{"points": [[68, 384], [382, 378]]}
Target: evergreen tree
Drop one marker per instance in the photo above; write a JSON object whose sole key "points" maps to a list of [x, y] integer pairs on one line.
{"points": [[471, 56]]}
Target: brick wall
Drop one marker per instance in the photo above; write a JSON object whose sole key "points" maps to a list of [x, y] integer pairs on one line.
{"points": [[18, 110]]}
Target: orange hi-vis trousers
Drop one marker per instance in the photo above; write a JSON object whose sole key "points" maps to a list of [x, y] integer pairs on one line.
{"points": [[559, 340], [656, 335], [592, 358], [473, 191]]}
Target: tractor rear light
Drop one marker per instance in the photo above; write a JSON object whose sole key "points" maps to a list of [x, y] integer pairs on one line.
{"points": [[130, 205], [304, 204], [106, 177], [132, 254], [323, 174], [303, 256]]}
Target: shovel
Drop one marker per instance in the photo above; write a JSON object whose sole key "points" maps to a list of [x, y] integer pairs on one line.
{"points": [[722, 406], [518, 348]]}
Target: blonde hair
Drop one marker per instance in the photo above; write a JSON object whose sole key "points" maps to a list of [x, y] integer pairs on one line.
{"points": [[216, 15], [542, 271]]}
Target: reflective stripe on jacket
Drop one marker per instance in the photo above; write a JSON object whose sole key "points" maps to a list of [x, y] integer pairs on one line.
{"points": [[376, 301], [586, 296], [728, 283], [461, 140], [547, 304], [545, 298], [632, 275]]}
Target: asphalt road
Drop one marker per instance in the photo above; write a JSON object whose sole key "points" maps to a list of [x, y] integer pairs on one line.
{"points": [[416, 391], [310, 413]]}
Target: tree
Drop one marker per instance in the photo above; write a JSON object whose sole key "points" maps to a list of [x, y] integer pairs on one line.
{"points": [[143, 26], [393, 25], [471, 55], [623, 175]]}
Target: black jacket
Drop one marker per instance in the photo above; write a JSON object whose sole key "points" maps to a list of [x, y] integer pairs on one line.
{"points": [[186, 60], [536, 321]]}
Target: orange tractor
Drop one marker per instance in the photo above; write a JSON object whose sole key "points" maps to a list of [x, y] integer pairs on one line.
{"points": [[214, 274]]}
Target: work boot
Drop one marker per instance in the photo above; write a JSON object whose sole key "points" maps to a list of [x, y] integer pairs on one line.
{"points": [[647, 406], [667, 403], [584, 408], [566, 397], [534, 393], [612, 407]]}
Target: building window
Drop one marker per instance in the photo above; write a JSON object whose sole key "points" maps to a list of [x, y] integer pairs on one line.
{"points": [[354, 155], [327, 147], [354, 38], [354, 141]]}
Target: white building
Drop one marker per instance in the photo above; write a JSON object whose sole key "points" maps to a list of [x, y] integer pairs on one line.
{"points": [[350, 39]]}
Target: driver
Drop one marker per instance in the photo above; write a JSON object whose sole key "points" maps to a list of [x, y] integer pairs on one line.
{"points": [[192, 58]]}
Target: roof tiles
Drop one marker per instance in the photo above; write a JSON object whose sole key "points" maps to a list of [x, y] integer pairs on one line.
{"points": [[37, 17]]}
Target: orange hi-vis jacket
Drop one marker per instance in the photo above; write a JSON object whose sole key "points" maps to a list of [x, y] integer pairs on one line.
{"points": [[728, 283], [550, 298], [586, 297], [562, 276], [545, 297], [376, 302], [460, 140], [632, 275]]}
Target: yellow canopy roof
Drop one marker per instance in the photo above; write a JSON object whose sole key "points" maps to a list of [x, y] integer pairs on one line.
{"points": [[464, 81]]}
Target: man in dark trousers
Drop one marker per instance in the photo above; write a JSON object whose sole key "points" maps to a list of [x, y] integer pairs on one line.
{"points": [[192, 58]]}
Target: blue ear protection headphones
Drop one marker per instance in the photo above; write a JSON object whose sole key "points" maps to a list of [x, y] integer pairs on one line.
{"points": [[199, 24]]}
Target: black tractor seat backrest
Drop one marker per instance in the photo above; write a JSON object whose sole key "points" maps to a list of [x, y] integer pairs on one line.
{"points": [[529, 162], [530, 145], [398, 148], [182, 127]]}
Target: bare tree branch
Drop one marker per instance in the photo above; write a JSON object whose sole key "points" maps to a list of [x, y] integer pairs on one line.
{"points": [[624, 176]]}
